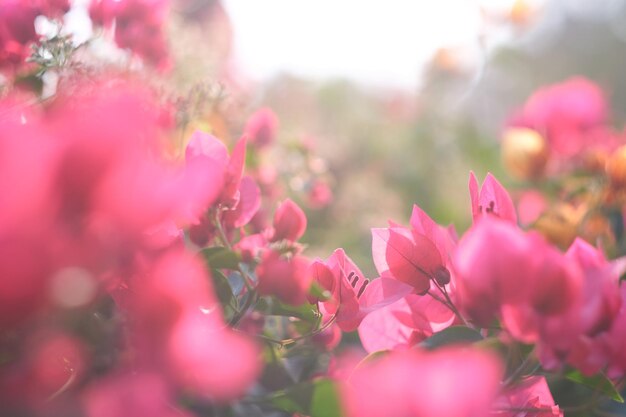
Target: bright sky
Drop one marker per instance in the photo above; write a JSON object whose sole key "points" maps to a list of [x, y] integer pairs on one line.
{"points": [[371, 41]]}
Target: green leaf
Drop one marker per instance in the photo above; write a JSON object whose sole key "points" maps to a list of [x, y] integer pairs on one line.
{"points": [[451, 335], [597, 382], [318, 292], [223, 289], [315, 399], [219, 257], [273, 307]]}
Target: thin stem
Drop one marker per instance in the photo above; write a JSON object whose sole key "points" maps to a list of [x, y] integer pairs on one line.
{"points": [[222, 235], [448, 303], [64, 387], [253, 297], [286, 342], [521, 369]]}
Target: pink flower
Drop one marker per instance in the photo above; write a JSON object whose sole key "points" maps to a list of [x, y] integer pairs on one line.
{"points": [[131, 394], [261, 128], [406, 256], [287, 279], [531, 393], [17, 31], [415, 317], [248, 205], [424, 384], [599, 308], [492, 199], [565, 113], [138, 26], [404, 323], [352, 297], [174, 307], [212, 362], [289, 222], [320, 195], [239, 197], [498, 266]]}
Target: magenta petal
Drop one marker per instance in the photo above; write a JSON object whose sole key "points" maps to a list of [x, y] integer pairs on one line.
{"points": [[422, 223], [249, 203], [493, 199], [234, 171], [289, 221], [410, 258], [207, 148], [381, 330], [425, 309], [382, 292], [473, 191], [492, 190], [342, 263], [349, 313]]}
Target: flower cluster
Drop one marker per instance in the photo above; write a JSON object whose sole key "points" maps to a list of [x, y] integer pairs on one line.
{"points": [[145, 274], [91, 231], [138, 26], [17, 27]]}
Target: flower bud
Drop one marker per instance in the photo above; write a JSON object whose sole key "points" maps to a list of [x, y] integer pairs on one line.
{"points": [[287, 279], [289, 222], [524, 153], [442, 275], [560, 225], [261, 128]]}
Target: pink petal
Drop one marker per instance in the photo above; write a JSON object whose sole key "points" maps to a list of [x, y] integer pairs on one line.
{"points": [[492, 190], [381, 329], [410, 258], [249, 203], [474, 195], [382, 292], [289, 221], [234, 171]]}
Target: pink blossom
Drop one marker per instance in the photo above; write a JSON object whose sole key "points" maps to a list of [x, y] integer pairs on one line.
{"points": [[416, 317], [248, 205], [406, 256], [131, 394], [261, 128], [424, 384], [498, 266], [174, 306], [320, 195], [212, 362], [17, 31], [352, 297], [404, 323], [138, 26], [289, 222], [531, 393], [565, 113], [492, 199], [284, 278]]}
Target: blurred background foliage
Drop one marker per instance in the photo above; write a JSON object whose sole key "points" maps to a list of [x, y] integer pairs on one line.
{"points": [[387, 149]]}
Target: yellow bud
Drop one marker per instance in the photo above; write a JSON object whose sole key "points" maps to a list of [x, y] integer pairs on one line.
{"points": [[524, 153], [560, 225]]}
